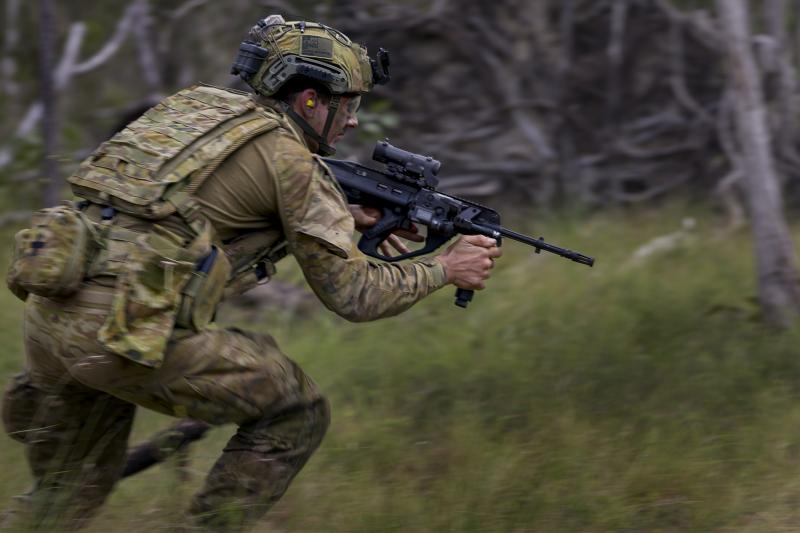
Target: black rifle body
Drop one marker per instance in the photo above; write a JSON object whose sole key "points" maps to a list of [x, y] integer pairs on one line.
{"points": [[405, 192]]}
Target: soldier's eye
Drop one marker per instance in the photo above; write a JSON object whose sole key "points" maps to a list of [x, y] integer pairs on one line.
{"points": [[354, 105]]}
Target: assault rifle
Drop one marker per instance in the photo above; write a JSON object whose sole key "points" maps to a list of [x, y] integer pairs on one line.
{"points": [[405, 192]]}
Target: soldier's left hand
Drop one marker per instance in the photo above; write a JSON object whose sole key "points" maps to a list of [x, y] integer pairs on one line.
{"points": [[366, 217]]}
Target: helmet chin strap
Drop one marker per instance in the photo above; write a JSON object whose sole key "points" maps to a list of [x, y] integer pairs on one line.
{"points": [[323, 148], [333, 108]]}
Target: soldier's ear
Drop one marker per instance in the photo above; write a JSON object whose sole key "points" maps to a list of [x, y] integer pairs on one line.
{"points": [[308, 101]]}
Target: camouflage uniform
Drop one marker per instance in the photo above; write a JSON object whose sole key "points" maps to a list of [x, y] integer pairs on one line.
{"points": [[74, 404]]}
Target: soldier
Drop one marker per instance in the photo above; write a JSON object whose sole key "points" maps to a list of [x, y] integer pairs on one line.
{"points": [[209, 188]]}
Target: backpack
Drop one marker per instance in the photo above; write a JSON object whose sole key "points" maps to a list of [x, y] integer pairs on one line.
{"points": [[150, 170]]}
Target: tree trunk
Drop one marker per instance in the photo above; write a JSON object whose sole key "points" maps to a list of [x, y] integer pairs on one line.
{"points": [[615, 51], [143, 35], [566, 186], [776, 13], [49, 94], [778, 285], [8, 64]]}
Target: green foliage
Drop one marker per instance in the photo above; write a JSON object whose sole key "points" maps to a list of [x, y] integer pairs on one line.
{"points": [[621, 398]]}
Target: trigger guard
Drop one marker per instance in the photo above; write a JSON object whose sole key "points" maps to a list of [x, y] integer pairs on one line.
{"points": [[388, 222], [370, 247]]}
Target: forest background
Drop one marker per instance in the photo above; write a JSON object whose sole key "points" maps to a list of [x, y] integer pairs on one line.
{"points": [[658, 391]]}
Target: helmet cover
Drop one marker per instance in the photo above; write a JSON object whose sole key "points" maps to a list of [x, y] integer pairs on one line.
{"points": [[277, 51]]}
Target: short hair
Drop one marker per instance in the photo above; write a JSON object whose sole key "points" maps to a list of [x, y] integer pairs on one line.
{"points": [[298, 84]]}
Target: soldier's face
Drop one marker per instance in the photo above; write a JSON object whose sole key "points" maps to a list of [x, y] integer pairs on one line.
{"points": [[346, 118]]}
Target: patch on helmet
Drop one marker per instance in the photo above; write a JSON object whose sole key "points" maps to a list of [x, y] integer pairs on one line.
{"points": [[312, 45]]}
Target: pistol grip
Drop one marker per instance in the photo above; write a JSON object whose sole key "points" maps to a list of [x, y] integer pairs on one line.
{"points": [[464, 297]]}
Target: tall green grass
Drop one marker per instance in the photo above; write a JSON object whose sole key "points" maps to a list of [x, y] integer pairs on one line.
{"points": [[620, 398]]}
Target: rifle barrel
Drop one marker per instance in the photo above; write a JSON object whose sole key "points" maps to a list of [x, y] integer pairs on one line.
{"points": [[540, 244]]}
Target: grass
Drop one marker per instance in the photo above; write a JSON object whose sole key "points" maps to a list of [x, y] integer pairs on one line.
{"points": [[621, 398]]}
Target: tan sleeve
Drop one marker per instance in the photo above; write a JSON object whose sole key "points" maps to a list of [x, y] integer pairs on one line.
{"points": [[359, 289], [319, 228]]}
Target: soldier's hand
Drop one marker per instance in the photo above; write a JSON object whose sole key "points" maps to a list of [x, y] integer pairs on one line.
{"points": [[366, 217], [468, 262]]}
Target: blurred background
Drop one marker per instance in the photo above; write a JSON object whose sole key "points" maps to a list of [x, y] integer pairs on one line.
{"points": [[658, 391]]}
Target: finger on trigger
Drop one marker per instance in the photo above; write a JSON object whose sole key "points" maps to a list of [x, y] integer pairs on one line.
{"points": [[488, 242], [398, 244], [409, 235], [474, 240], [371, 211]]}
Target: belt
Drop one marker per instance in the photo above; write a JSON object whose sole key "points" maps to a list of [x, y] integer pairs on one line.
{"points": [[93, 299]]}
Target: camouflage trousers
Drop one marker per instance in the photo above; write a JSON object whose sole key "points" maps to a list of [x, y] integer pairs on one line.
{"points": [[74, 405]]}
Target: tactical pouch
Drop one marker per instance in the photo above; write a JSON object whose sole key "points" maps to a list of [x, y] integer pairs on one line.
{"points": [[149, 293], [51, 257], [204, 290]]}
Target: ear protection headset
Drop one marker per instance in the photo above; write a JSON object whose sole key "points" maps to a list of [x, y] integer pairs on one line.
{"points": [[310, 103]]}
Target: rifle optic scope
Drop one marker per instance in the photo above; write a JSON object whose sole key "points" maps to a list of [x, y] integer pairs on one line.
{"points": [[413, 164]]}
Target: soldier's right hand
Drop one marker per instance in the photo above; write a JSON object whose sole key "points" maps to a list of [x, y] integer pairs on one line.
{"points": [[468, 262]]}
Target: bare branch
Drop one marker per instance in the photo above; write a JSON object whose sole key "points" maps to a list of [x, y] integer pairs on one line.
{"points": [[111, 46], [698, 23], [678, 75], [653, 191], [67, 68], [72, 49], [144, 39], [630, 149], [509, 88], [186, 8], [174, 18], [619, 11]]}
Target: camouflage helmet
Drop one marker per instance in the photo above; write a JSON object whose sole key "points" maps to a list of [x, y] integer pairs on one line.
{"points": [[277, 51]]}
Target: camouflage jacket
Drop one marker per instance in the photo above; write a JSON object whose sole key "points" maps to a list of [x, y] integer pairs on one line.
{"points": [[275, 188]]}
